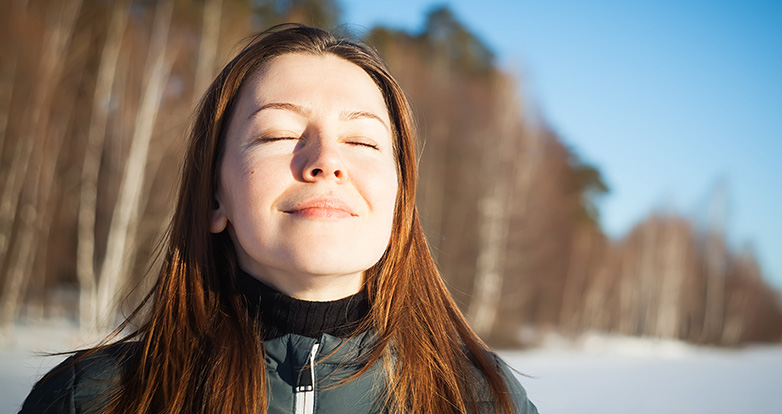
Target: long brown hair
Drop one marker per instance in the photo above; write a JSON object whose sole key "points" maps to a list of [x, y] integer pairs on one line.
{"points": [[199, 351]]}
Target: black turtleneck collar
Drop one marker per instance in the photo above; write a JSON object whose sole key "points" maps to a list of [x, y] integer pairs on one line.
{"points": [[281, 314]]}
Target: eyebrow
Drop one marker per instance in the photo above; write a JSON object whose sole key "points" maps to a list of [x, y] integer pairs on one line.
{"points": [[305, 112], [349, 116], [285, 106]]}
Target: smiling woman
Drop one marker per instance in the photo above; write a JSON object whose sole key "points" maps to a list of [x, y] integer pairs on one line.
{"points": [[296, 277], [316, 164]]}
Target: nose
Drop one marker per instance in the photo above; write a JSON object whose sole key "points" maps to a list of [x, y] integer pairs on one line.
{"points": [[324, 162]]}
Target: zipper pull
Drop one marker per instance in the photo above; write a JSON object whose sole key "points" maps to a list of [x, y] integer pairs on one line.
{"points": [[307, 382], [305, 387]]}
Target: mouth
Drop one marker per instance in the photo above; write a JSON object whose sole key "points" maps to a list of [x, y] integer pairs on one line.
{"points": [[322, 208]]}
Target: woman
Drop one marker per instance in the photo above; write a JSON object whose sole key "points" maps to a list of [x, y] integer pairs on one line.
{"points": [[296, 276]]}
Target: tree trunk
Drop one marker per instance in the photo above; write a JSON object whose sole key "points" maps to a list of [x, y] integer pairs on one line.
{"points": [[55, 44], [126, 211], [494, 215], [647, 277], [576, 282], [672, 273], [716, 257], [36, 217], [628, 292], [716, 271], [207, 54], [96, 138], [17, 271], [6, 92]]}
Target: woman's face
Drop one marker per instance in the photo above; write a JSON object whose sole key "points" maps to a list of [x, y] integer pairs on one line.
{"points": [[308, 177]]}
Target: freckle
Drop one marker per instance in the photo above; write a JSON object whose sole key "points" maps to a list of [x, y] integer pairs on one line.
{"points": [[252, 172]]}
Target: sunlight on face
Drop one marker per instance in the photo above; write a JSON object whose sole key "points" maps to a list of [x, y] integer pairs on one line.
{"points": [[308, 177]]}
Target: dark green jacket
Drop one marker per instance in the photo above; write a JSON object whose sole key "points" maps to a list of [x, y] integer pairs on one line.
{"points": [[294, 386]]}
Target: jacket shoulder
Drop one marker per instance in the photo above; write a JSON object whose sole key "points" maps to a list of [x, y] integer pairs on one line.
{"points": [[523, 404], [516, 391], [82, 383]]}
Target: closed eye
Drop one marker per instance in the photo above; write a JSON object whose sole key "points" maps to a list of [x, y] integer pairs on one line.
{"points": [[272, 139], [275, 139], [362, 142]]}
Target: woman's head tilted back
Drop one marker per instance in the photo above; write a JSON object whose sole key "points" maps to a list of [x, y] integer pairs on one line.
{"points": [[292, 100]]}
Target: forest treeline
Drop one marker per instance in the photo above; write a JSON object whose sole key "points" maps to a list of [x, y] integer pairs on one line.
{"points": [[95, 99]]}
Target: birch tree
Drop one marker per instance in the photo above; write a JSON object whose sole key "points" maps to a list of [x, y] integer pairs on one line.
{"points": [[207, 52], [675, 247], [494, 211], [576, 281], [716, 265], [126, 214], [93, 155], [52, 60]]}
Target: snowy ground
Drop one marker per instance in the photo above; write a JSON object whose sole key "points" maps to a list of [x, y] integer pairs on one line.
{"points": [[22, 359], [595, 375], [637, 376]]}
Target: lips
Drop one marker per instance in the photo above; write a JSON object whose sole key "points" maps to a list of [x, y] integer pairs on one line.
{"points": [[322, 208]]}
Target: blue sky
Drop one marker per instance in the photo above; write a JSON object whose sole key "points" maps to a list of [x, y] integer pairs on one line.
{"points": [[667, 98]]}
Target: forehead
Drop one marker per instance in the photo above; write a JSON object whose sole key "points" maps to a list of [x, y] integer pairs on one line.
{"points": [[319, 82]]}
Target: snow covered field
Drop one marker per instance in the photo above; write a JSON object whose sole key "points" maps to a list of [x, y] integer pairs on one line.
{"points": [[637, 376], [596, 375]]}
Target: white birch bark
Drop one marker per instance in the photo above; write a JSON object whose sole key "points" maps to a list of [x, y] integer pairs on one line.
{"points": [[15, 278], [494, 212], [716, 270], [37, 216], [628, 291], [716, 256], [6, 92], [207, 53], [126, 211], [647, 273], [741, 302], [597, 308], [12, 189], [672, 273], [88, 194], [51, 67], [5, 95], [575, 282]]}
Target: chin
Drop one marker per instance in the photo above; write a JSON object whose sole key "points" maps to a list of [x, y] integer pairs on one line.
{"points": [[333, 265]]}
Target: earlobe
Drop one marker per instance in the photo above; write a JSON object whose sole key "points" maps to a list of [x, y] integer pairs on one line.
{"points": [[218, 220]]}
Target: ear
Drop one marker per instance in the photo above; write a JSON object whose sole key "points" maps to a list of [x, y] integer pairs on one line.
{"points": [[218, 220]]}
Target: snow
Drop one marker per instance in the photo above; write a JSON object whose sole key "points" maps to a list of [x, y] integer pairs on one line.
{"points": [[638, 376], [23, 360], [596, 374]]}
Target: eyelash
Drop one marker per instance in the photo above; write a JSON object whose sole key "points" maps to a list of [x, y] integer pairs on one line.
{"points": [[363, 144], [353, 143], [273, 139]]}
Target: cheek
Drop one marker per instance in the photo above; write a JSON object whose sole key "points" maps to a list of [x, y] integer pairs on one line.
{"points": [[242, 185], [385, 193]]}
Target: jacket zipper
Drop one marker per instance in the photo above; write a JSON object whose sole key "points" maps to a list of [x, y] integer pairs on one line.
{"points": [[305, 389]]}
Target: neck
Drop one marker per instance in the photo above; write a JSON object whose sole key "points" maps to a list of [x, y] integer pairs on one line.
{"points": [[312, 288], [281, 314]]}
